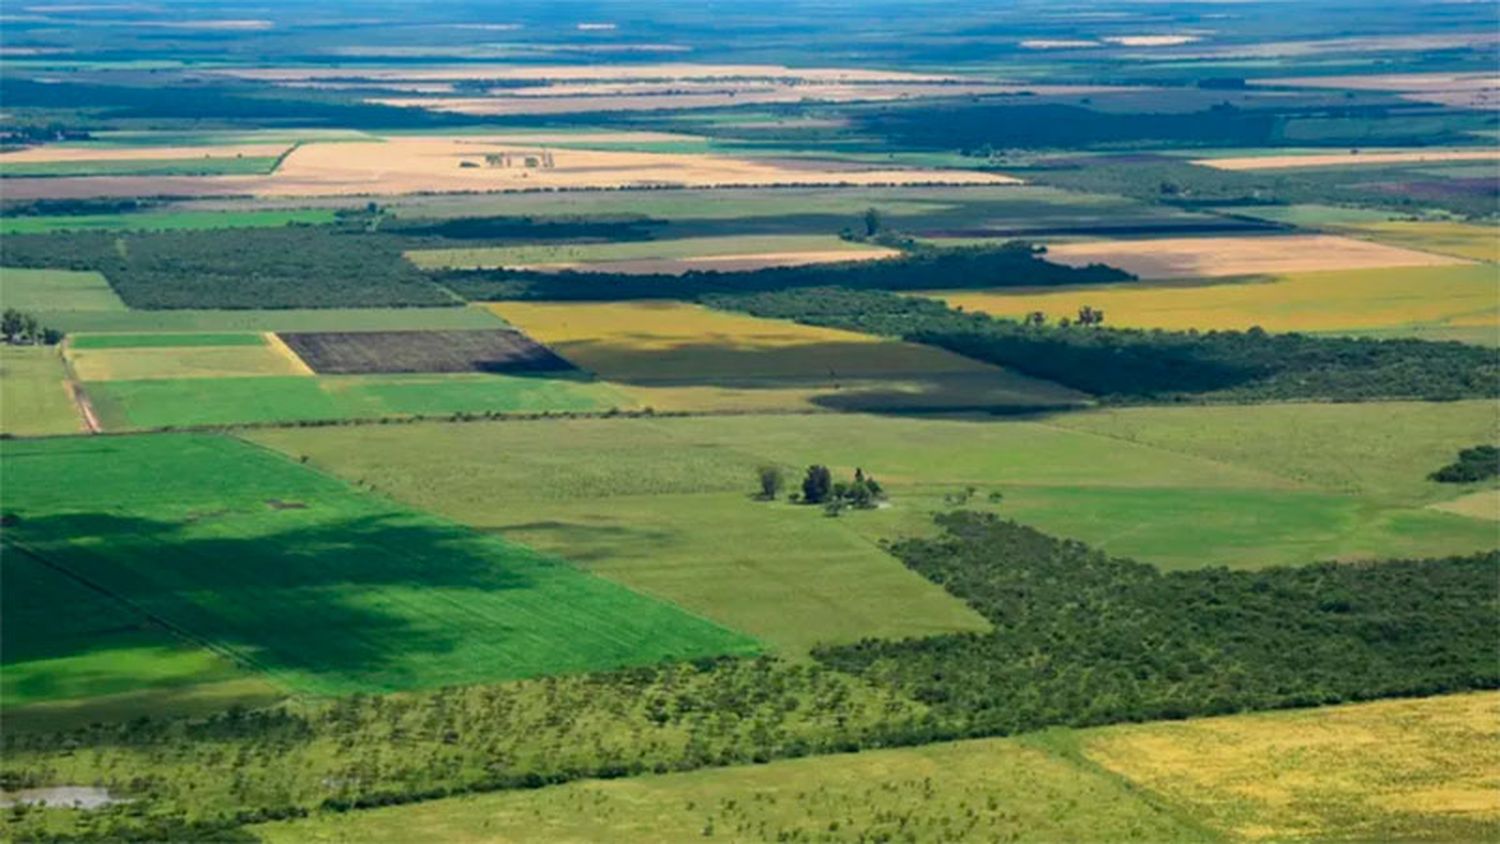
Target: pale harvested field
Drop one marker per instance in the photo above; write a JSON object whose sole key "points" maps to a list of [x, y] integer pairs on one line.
{"points": [[1344, 159], [1484, 504], [408, 165], [735, 252], [437, 165], [48, 153], [1206, 257], [1392, 770]]}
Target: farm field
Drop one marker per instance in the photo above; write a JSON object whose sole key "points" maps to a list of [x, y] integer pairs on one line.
{"points": [[1397, 299], [182, 360], [1178, 497], [1346, 159], [1231, 256], [138, 168], [164, 341], [1198, 780], [358, 352], [179, 402], [673, 256], [1476, 242], [334, 590], [34, 395], [673, 355], [49, 291], [1394, 770], [167, 220]]}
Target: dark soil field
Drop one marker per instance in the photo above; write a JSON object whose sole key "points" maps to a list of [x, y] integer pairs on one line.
{"points": [[370, 352]]}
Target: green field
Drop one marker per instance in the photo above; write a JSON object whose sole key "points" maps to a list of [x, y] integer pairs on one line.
{"points": [[34, 397], [323, 588], [155, 341], [47, 291], [1180, 487], [164, 221], [290, 319], [127, 405], [222, 166]]}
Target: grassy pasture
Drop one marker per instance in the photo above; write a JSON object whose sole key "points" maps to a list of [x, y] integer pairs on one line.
{"points": [[1400, 770], [48, 291], [1304, 301], [34, 397], [1180, 487], [1464, 240], [680, 356], [289, 319], [165, 221], [157, 403], [662, 510], [324, 589], [583, 255], [254, 165]]}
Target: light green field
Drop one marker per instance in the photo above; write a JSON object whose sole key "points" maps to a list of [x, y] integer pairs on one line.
{"points": [[662, 511], [291, 319], [986, 790], [1311, 215], [591, 253], [145, 404], [164, 221], [46, 291], [34, 397], [156, 341], [137, 363], [1180, 487], [203, 166], [319, 587]]}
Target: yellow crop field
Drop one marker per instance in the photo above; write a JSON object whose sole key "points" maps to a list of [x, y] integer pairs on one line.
{"points": [[1305, 301], [1464, 240], [677, 356], [137, 364], [1345, 159], [1393, 770]]}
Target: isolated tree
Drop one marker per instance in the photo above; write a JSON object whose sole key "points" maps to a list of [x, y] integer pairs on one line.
{"points": [[31, 329], [872, 222], [10, 324], [817, 487], [771, 482], [1035, 318]]}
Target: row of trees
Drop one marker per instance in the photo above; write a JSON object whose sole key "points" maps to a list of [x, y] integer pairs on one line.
{"points": [[1133, 365], [23, 328]]}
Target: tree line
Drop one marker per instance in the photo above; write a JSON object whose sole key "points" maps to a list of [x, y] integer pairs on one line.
{"points": [[1137, 365], [1479, 463]]}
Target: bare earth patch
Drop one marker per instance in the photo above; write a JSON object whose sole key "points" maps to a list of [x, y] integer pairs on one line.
{"points": [[1197, 257], [1341, 159]]}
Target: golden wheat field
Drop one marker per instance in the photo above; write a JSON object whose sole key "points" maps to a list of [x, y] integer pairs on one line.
{"points": [[1305, 301], [1426, 769], [1346, 159]]}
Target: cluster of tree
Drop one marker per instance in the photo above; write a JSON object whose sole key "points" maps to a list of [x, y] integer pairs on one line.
{"points": [[1086, 316], [1479, 463], [290, 267], [69, 207], [1011, 265], [1132, 365], [1083, 638], [20, 327], [863, 492]]}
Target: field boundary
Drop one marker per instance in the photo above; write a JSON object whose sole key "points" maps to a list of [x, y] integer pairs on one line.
{"points": [[80, 397]]}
